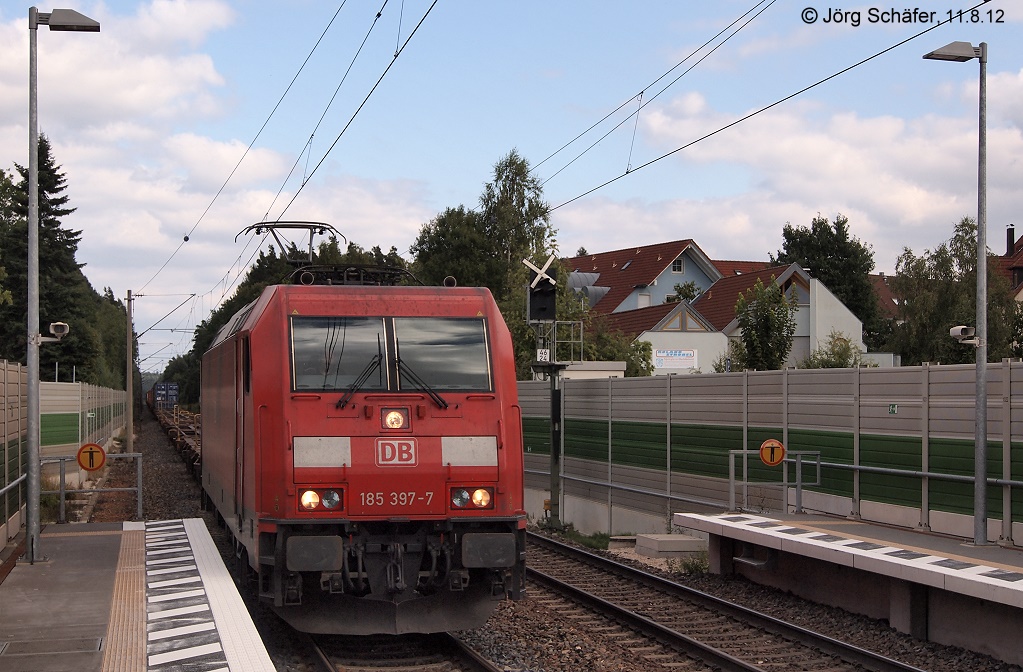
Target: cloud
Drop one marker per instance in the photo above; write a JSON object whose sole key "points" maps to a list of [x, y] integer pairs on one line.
{"points": [[901, 181], [147, 121]]}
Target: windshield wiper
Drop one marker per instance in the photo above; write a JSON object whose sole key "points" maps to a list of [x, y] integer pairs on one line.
{"points": [[373, 364], [411, 375]]}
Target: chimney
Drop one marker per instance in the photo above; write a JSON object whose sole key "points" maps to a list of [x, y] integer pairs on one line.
{"points": [[1010, 240]]}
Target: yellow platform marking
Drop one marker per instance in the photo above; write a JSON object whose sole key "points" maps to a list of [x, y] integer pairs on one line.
{"points": [[126, 632]]}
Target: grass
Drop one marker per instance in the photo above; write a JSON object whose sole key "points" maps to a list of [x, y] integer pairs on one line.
{"points": [[690, 565], [49, 505], [598, 541]]}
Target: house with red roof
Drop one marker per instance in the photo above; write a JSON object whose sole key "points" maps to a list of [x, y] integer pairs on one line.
{"points": [[635, 288]]}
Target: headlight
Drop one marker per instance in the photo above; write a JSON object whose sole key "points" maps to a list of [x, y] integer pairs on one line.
{"points": [[318, 500], [394, 418], [331, 499], [481, 498], [459, 498], [310, 500], [472, 498]]}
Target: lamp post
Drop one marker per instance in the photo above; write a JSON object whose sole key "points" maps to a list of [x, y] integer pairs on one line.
{"points": [[63, 20], [962, 52]]}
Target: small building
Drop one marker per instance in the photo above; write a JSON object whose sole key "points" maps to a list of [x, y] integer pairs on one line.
{"points": [[636, 289]]}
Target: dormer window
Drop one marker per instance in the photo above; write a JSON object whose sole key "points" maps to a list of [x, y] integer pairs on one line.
{"points": [[678, 266]]}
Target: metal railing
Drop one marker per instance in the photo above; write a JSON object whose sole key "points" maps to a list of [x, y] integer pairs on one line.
{"points": [[62, 492], [13, 483], [796, 459]]}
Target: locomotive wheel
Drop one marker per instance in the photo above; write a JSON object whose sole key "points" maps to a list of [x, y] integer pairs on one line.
{"points": [[241, 571]]}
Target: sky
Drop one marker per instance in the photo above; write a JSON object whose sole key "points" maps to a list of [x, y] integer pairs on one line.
{"points": [[198, 118]]}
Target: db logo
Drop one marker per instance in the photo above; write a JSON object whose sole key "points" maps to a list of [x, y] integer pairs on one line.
{"points": [[396, 453]]}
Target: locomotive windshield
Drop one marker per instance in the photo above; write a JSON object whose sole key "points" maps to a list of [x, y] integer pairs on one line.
{"points": [[446, 353], [435, 353], [329, 353]]}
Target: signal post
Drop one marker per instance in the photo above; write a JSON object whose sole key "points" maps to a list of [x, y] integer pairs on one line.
{"points": [[541, 300]]}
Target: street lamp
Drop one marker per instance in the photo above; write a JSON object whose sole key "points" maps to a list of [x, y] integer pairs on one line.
{"points": [[65, 20], [962, 52]]}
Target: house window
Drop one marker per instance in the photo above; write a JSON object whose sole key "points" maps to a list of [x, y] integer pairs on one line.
{"points": [[644, 300], [678, 266]]}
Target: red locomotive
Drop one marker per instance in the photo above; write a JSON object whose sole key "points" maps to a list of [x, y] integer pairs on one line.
{"points": [[363, 445]]}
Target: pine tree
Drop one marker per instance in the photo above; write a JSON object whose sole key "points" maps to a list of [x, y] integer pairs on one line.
{"points": [[64, 293]]}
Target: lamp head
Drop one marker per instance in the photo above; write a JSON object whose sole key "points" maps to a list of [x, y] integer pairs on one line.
{"points": [[955, 51], [62, 20]]}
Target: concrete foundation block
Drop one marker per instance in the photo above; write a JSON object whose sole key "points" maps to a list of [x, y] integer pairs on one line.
{"points": [[669, 545]]}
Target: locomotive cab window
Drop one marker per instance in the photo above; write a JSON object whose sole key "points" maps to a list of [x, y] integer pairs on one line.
{"points": [[445, 353], [396, 354], [331, 353]]}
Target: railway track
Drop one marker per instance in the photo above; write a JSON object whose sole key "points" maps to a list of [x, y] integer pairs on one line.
{"points": [[726, 635], [419, 653]]}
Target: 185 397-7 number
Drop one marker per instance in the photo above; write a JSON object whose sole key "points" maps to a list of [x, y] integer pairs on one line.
{"points": [[395, 498]]}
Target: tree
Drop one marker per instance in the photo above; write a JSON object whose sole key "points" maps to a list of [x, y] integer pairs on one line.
{"points": [[937, 291], [454, 243], [65, 295], [485, 248], [684, 291], [733, 359], [1016, 347], [605, 344], [837, 352], [7, 219], [767, 321], [841, 262], [329, 253], [516, 219]]}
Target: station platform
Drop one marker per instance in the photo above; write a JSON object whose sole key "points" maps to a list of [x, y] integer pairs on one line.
{"points": [[933, 587], [125, 597]]}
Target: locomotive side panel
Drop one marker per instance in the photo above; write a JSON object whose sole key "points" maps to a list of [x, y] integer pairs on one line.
{"points": [[217, 400]]}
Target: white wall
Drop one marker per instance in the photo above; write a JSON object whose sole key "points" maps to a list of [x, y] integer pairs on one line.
{"points": [[830, 314], [586, 370], [708, 345]]}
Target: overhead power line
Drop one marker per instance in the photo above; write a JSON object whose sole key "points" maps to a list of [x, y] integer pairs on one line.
{"points": [[640, 95], [359, 109], [762, 109], [247, 149]]}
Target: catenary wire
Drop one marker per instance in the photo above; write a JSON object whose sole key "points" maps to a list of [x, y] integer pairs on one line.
{"points": [[668, 85], [665, 74], [307, 150], [337, 139], [762, 109], [359, 109], [247, 149]]}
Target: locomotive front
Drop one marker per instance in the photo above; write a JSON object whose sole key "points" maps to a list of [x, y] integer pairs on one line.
{"points": [[385, 431]]}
